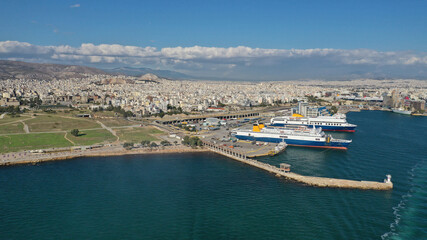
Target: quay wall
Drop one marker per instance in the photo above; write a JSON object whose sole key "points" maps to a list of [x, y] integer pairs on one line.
{"points": [[312, 181]]}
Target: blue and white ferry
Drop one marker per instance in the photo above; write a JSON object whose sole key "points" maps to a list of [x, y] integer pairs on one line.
{"points": [[336, 122], [302, 136]]}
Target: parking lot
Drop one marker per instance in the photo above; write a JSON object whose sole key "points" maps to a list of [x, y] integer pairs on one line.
{"points": [[220, 134]]}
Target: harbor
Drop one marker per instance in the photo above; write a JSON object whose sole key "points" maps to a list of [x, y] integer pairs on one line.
{"points": [[284, 171], [215, 187]]}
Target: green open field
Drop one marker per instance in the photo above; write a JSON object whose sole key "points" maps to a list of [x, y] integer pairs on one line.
{"points": [[90, 137], [14, 143], [105, 114], [52, 122], [7, 119], [14, 127], [116, 122], [138, 134]]}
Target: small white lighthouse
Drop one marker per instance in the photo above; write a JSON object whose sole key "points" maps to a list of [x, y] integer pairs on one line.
{"points": [[388, 179]]}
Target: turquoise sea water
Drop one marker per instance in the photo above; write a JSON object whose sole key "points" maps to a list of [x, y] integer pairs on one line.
{"points": [[207, 196]]}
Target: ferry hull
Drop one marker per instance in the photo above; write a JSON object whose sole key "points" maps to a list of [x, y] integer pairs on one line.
{"points": [[324, 128], [300, 143]]}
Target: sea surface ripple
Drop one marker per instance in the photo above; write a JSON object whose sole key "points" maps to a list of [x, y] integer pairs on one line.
{"points": [[208, 196]]}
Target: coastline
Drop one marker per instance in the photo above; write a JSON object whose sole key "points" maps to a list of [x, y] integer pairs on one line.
{"points": [[32, 159]]}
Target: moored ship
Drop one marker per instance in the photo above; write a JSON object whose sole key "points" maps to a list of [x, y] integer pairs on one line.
{"points": [[336, 122], [302, 136], [401, 111]]}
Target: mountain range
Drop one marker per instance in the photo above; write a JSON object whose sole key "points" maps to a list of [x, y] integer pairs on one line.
{"points": [[43, 71], [141, 71]]}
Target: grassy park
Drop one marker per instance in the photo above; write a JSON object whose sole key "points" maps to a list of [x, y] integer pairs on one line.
{"points": [[47, 130], [116, 122], [8, 119], [89, 137], [13, 127], [52, 122], [138, 134], [14, 143]]}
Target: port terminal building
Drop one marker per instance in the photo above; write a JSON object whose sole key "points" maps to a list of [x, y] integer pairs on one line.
{"points": [[310, 111]]}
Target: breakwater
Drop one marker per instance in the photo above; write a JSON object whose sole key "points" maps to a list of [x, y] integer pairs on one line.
{"points": [[309, 180]]}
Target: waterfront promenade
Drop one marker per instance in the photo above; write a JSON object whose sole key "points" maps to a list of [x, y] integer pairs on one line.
{"points": [[114, 150]]}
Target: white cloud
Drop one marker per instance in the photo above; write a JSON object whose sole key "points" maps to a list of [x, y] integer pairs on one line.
{"points": [[77, 5], [198, 57], [232, 55]]}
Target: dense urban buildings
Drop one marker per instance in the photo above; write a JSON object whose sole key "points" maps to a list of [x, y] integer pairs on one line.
{"points": [[149, 94]]}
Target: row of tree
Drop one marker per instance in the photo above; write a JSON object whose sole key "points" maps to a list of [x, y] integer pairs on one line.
{"points": [[10, 109], [147, 143], [32, 102], [192, 141], [116, 109]]}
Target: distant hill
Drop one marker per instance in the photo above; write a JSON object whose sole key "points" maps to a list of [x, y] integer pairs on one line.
{"points": [[42, 71], [142, 71]]}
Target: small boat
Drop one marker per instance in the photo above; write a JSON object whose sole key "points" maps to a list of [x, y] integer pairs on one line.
{"points": [[401, 111], [279, 148]]}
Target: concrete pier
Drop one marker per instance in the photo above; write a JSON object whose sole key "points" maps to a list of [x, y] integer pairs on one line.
{"points": [[312, 181]]}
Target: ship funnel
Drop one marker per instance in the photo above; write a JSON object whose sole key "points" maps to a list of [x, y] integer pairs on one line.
{"points": [[256, 128]]}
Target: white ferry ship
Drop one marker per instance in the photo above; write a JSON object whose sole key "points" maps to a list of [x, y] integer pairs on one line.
{"points": [[302, 136], [336, 122]]}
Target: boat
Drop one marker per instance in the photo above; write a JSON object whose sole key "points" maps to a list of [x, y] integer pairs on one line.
{"points": [[278, 149], [401, 111], [302, 136], [337, 122]]}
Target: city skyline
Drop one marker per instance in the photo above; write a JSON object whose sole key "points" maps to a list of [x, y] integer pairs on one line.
{"points": [[228, 41]]}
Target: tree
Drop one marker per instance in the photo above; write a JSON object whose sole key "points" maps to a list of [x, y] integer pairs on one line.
{"points": [[192, 141], [145, 143], [311, 98], [75, 132], [153, 145], [334, 109], [165, 143], [186, 140], [127, 145]]}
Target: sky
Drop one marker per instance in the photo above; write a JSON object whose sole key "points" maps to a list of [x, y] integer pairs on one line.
{"points": [[242, 40]]}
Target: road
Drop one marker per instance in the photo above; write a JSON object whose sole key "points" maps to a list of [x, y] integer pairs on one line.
{"points": [[109, 129]]}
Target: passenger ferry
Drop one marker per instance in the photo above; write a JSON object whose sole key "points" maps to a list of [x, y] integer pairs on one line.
{"points": [[336, 122], [302, 136]]}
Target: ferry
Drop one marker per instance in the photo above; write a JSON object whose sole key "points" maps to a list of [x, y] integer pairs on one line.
{"points": [[302, 136], [336, 122], [401, 111]]}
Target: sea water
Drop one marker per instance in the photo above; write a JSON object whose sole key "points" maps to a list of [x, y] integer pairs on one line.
{"points": [[208, 196]]}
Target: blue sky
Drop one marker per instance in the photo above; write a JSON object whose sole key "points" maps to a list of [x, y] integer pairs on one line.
{"points": [[387, 28]]}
